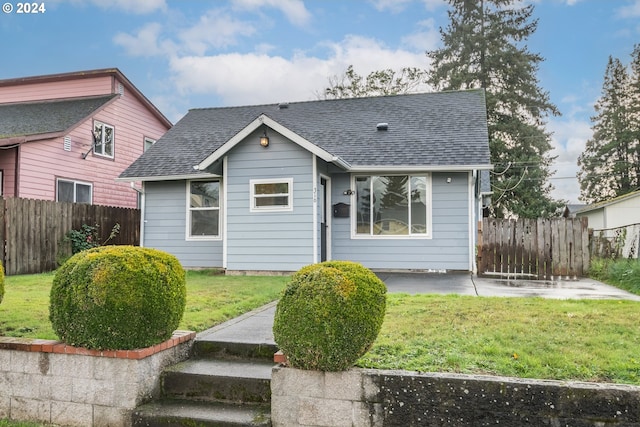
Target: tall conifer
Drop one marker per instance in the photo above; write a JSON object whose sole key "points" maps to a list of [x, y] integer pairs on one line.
{"points": [[485, 47]]}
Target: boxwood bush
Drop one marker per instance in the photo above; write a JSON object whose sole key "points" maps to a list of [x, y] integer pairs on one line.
{"points": [[329, 315], [117, 298]]}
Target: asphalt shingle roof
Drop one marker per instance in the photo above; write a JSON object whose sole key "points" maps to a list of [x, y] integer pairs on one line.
{"points": [[429, 129], [43, 117]]}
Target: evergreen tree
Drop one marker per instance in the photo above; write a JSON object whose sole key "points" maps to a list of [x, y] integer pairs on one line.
{"points": [[484, 47], [609, 163]]}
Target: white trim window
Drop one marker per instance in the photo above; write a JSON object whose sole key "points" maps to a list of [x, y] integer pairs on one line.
{"points": [[104, 139], [392, 206], [269, 195], [74, 191], [203, 210]]}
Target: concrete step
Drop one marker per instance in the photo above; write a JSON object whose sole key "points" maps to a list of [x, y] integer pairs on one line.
{"points": [[170, 413], [217, 348], [232, 380]]}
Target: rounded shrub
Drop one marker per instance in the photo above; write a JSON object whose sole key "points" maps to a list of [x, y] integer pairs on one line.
{"points": [[329, 315], [117, 298]]}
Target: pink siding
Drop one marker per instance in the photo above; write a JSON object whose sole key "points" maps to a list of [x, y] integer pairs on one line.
{"points": [[57, 89], [42, 162]]}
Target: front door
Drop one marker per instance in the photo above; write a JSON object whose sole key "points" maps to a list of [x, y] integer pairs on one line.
{"points": [[324, 206]]}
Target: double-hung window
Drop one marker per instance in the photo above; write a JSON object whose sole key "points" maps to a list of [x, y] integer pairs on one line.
{"points": [[393, 205], [204, 209], [73, 191], [103, 136]]}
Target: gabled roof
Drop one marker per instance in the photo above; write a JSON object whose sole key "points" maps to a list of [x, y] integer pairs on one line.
{"points": [[103, 72], [28, 121], [605, 203], [425, 131]]}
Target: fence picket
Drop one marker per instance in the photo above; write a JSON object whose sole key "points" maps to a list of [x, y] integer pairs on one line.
{"points": [[33, 230], [539, 248]]}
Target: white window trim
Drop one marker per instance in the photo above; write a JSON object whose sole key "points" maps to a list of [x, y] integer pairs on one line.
{"points": [[354, 210], [252, 199], [188, 236], [113, 147], [75, 183]]}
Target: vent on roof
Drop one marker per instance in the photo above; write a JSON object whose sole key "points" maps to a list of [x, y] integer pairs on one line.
{"points": [[67, 143], [382, 126], [283, 105], [120, 88]]}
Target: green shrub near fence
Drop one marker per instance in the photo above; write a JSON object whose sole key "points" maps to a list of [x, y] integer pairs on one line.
{"points": [[118, 298]]}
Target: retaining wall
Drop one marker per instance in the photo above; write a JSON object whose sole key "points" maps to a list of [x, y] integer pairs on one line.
{"points": [[361, 397], [50, 382]]}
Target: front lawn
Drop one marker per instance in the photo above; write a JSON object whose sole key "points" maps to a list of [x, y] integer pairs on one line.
{"points": [[587, 340], [211, 299]]}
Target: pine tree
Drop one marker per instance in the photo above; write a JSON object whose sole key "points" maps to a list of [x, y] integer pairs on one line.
{"points": [[484, 47], [609, 163]]}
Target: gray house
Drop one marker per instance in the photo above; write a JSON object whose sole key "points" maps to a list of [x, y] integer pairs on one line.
{"points": [[391, 182]]}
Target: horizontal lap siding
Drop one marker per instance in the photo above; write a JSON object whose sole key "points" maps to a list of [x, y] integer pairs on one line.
{"points": [[165, 226], [447, 249], [269, 241]]}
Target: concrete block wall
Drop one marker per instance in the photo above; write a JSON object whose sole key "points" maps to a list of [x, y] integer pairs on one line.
{"points": [[361, 397], [50, 382]]}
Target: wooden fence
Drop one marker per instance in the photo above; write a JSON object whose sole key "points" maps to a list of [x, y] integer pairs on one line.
{"points": [[33, 231], [537, 249]]}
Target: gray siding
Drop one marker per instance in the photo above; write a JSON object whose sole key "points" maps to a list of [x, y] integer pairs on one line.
{"points": [[165, 226], [269, 241], [447, 249]]}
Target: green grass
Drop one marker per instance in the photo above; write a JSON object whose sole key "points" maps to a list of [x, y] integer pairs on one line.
{"points": [[211, 299], [7, 423], [585, 340], [623, 273]]}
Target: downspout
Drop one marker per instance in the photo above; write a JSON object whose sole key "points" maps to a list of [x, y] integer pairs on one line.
{"points": [[225, 215], [314, 214], [472, 220]]}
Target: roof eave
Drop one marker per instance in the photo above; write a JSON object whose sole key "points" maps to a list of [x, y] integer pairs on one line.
{"points": [[200, 175], [432, 168]]}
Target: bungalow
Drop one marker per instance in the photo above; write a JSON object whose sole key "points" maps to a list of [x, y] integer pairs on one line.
{"points": [[392, 182]]}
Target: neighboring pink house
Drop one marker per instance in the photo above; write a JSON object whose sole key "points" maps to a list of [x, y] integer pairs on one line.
{"points": [[66, 137]]}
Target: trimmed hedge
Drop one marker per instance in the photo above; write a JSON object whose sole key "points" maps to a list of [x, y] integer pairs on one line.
{"points": [[117, 298], [329, 315]]}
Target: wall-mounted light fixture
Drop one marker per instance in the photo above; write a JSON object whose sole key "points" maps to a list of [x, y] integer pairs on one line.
{"points": [[264, 140], [348, 192]]}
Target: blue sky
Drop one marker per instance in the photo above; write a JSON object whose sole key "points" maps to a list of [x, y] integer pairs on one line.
{"points": [[204, 53]]}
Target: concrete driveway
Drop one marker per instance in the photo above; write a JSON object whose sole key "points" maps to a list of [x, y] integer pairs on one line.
{"points": [[467, 284]]}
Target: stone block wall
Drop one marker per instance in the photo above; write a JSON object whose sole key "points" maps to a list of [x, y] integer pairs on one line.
{"points": [[50, 382], [361, 397]]}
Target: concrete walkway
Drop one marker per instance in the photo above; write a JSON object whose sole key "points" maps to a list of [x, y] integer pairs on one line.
{"points": [[256, 326]]}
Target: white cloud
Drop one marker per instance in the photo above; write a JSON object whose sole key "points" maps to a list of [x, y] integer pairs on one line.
{"points": [[396, 6], [427, 38], [568, 140], [295, 10], [215, 29], [630, 11], [259, 78], [130, 6], [144, 43]]}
